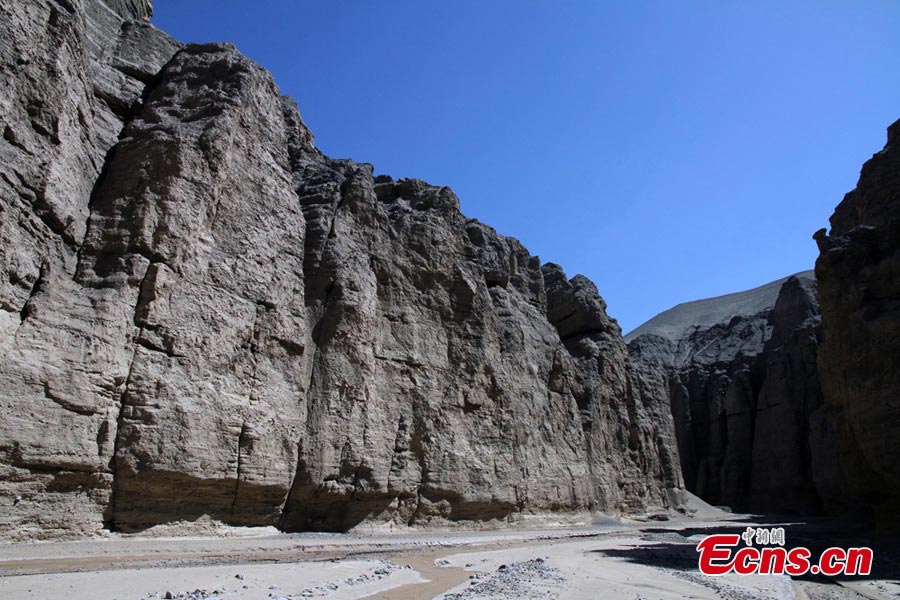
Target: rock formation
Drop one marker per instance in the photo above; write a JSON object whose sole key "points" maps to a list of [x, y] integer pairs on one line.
{"points": [[858, 273], [201, 314], [745, 396], [73, 75], [775, 411]]}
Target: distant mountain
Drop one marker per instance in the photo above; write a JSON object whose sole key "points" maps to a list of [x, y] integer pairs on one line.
{"points": [[743, 388], [684, 320]]}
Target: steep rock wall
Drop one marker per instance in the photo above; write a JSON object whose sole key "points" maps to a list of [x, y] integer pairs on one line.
{"points": [[858, 274], [744, 393], [73, 74], [202, 315]]}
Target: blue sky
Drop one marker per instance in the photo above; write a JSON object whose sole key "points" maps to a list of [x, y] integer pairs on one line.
{"points": [[669, 151]]}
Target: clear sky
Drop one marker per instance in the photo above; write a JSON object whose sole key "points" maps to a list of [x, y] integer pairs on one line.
{"points": [[669, 151]]}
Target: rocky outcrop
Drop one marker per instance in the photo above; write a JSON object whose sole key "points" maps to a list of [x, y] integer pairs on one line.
{"points": [[744, 393], [858, 273], [624, 408], [202, 315], [73, 74]]}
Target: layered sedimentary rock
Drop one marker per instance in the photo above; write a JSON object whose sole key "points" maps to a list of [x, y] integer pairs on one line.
{"points": [[744, 392], [204, 315], [858, 273], [622, 404], [73, 74]]}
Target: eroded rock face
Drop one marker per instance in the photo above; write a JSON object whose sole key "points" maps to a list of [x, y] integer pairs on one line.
{"points": [[201, 314], [745, 396], [858, 273], [73, 74], [624, 406]]}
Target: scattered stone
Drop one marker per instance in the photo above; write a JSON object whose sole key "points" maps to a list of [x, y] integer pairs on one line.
{"points": [[531, 579]]}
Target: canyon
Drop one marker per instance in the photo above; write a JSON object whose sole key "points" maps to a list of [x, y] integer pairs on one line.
{"points": [[205, 318]]}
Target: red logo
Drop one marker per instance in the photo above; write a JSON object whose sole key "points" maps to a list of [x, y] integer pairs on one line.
{"points": [[720, 555]]}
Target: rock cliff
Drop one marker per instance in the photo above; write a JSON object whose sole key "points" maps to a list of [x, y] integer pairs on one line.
{"points": [[858, 272], [203, 315], [745, 396], [779, 408]]}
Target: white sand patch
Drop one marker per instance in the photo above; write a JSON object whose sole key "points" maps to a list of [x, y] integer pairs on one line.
{"points": [[342, 580]]}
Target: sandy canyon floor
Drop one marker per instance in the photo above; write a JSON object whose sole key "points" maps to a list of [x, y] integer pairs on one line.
{"points": [[628, 560]]}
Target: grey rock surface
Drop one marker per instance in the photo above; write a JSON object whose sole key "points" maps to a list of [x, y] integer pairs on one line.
{"points": [[63, 361], [858, 273], [624, 407], [679, 322], [203, 316], [742, 380]]}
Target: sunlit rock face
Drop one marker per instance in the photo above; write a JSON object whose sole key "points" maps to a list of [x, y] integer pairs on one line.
{"points": [[202, 316], [74, 76]]}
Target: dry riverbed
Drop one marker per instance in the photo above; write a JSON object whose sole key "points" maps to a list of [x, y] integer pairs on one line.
{"points": [[628, 560]]}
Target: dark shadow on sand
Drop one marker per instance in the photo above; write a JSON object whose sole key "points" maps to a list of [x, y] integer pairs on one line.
{"points": [[665, 550]]}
